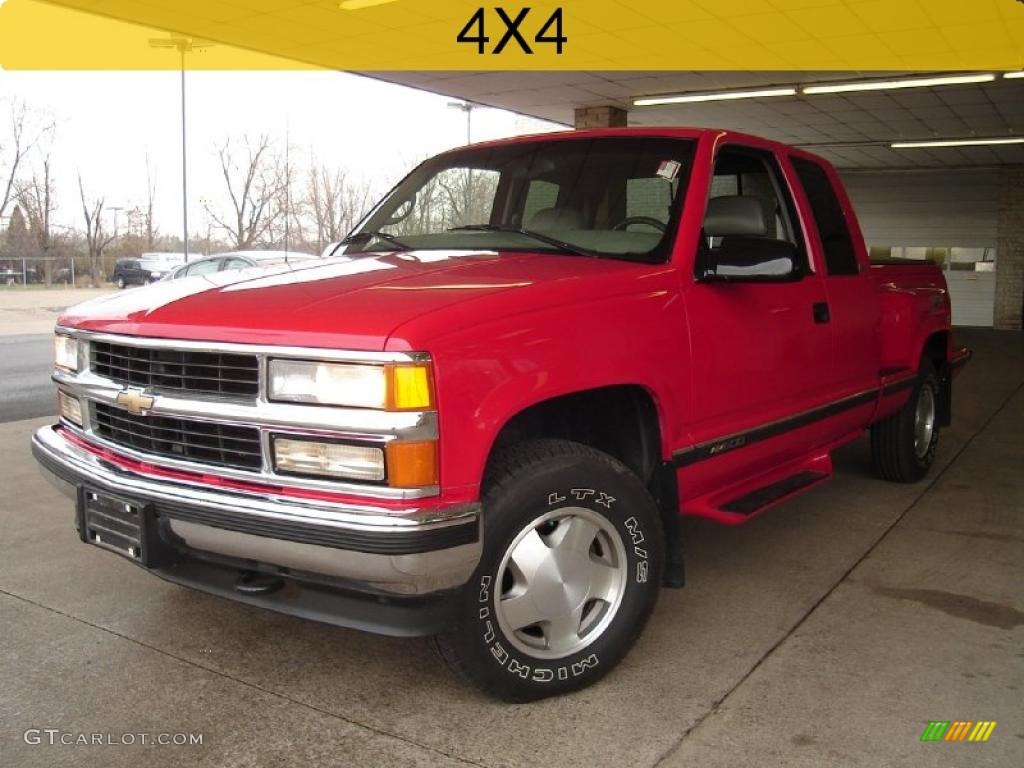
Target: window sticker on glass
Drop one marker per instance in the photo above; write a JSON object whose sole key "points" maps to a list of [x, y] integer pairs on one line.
{"points": [[669, 169]]}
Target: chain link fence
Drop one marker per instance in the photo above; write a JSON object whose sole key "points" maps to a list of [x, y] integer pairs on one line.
{"points": [[56, 270]]}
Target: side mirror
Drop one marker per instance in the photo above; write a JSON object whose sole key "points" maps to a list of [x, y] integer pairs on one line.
{"points": [[747, 259]]}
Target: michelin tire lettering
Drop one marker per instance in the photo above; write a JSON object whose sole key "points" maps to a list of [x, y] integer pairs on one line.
{"points": [[542, 674]]}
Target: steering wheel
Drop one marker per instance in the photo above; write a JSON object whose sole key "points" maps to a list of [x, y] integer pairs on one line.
{"points": [[648, 220]]}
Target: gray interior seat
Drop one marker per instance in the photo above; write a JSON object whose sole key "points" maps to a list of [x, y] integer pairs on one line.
{"points": [[735, 215], [555, 218]]}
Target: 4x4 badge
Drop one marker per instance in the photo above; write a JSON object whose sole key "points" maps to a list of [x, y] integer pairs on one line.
{"points": [[135, 401]]}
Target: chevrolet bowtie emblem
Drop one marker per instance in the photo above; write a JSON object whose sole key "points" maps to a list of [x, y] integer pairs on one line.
{"points": [[134, 401]]}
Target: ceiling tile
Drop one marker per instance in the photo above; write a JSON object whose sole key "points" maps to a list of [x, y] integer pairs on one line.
{"points": [[881, 117]]}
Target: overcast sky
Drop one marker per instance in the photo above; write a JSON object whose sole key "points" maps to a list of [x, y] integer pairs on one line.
{"points": [[108, 121]]}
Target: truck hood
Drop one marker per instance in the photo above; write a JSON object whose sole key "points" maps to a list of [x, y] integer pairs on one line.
{"points": [[343, 303]]}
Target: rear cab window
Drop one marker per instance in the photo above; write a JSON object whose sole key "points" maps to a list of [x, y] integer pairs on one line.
{"points": [[836, 243], [539, 195]]}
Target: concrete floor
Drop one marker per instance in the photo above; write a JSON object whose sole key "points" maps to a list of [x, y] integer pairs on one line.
{"points": [[35, 309], [827, 632]]}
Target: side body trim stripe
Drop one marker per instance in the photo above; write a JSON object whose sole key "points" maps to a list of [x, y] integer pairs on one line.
{"points": [[896, 386], [712, 448]]}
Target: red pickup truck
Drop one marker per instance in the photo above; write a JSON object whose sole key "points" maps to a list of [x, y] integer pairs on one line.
{"points": [[482, 417]]}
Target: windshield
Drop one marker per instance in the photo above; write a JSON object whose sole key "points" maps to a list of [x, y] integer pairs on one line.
{"points": [[617, 197]]}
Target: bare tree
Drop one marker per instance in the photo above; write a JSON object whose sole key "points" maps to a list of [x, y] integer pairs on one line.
{"points": [[254, 185], [96, 237], [289, 226], [36, 197], [14, 148], [335, 202]]}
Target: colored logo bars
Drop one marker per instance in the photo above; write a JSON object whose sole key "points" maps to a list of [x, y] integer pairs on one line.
{"points": [[958, 730]]}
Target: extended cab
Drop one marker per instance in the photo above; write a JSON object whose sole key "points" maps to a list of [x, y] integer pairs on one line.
{"points": [[482, 418]]}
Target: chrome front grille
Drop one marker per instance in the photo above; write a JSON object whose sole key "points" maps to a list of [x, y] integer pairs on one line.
{"points": [[209, 412], [222, 445], [177, 370]]}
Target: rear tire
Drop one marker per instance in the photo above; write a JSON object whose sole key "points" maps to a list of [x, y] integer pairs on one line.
{"points": [[120, 283], [572, 561], [903, 445]]}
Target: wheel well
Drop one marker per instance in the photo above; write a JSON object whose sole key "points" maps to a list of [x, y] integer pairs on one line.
{"points": [[620, 420], [935, 351]]}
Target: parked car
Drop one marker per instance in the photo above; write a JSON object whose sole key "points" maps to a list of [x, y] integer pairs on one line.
{"points": [[483, 419], [148, 268], [161, 264], [130, 272], [222, 262]]}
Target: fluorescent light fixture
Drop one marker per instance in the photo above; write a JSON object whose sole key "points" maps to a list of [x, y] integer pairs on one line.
{"points": [[1013, 75], [355, 5], [687, 98], [885, 85], [955, 143]]}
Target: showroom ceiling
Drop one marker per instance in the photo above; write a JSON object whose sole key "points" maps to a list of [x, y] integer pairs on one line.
{"points": [[413, 35], [853, 130]]}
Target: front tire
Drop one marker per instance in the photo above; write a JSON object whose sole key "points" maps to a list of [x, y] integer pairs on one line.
{"points": [[120, 283], [573, 555], [903, 445]]}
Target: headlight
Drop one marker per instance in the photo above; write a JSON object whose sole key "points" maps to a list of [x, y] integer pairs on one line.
{"points": [[65, 352], [390, 387], [70, 407], [313, 457]]}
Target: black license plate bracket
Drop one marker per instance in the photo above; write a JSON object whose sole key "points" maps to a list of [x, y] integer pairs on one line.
{"points": [[117, 523]]}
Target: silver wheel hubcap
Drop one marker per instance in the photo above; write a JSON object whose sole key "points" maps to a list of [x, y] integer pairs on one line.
{"points": [[561, 582], [924, 421]]}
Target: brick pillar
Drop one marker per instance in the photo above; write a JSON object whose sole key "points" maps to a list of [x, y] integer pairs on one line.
{"points": [[600, 117], [1009, 303]]}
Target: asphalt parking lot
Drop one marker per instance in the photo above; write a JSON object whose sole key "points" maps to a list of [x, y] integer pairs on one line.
{"points": [[827, 632], [25, 363]]}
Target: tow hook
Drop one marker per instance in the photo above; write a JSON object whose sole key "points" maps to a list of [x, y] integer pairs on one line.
{"points": [[253, 583]]}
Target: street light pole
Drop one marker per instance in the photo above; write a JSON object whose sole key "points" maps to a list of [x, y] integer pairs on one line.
{"points": [[467, 107], [464, 106], [116, 209], [183, 45], [184, 164]]}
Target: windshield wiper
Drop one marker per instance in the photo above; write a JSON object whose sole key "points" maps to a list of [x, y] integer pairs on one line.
{"points": [[554, 241], [365, 237]]}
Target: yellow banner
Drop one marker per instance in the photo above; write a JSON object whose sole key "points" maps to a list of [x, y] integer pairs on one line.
{"points": [[571, 35]]}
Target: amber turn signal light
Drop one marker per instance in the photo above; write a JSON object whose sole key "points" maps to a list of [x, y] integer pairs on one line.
{"points": [[412, 465], [410, 388]]}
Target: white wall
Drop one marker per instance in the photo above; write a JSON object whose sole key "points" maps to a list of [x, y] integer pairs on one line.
{"points": [[943, 208], [939, 208]]}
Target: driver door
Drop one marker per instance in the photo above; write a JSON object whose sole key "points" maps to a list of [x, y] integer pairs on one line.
{"points": [[759, 352]]}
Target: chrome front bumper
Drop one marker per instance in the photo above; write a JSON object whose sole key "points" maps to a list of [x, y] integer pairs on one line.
{"points": [[361, 549]]}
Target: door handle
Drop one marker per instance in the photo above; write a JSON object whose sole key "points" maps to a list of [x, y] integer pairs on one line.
{"points": [[820, 311]]}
